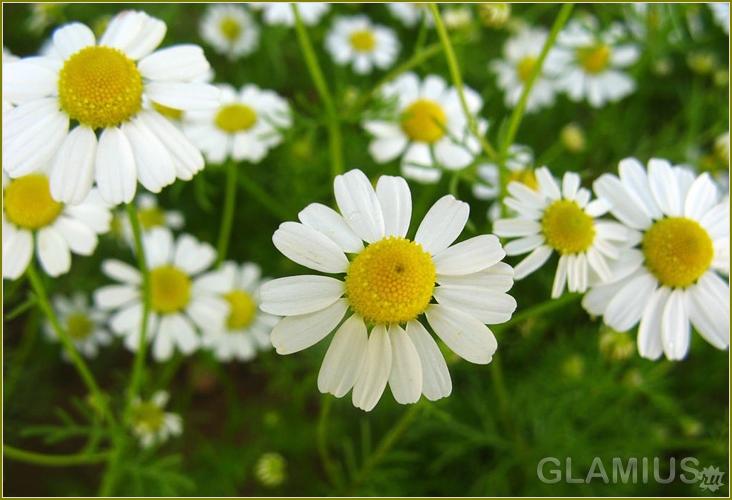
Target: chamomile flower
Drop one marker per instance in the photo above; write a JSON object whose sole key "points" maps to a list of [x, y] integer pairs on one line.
{"points": [[87, 109], [281, 13], [85, 325], [430, 129], [150, 215], [411, 14], [387, 291], [672, 280], [32, 219], [588, 63], [151, 424], [245, 125], [357, 41], [230, 30], [182, 299], [247, 328], [520, 54], [562, 220]]}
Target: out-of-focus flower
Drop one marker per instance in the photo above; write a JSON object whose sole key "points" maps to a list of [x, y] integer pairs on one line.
{"points": [[281, 13], [230, 30], [357, 41], [494, 15], [85, 325], [150, 424], [411, 14]]}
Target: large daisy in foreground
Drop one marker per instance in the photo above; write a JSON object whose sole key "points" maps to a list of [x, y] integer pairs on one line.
{"points": [[673, 279], [391, 285], [87, 109]]}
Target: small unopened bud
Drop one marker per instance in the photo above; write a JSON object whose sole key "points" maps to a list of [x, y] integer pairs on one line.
{"points": [[702, 62], [574, 366], [271, 469], [494, 15], [573, 138], [616, 346], [457, 18]]}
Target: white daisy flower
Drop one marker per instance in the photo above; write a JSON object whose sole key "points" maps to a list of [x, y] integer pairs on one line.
{"points": [[230, 30], [388, 288], [673, 277], [32, 219], [431, 129], [588, 63], [562, 220], [281, 13], [520, 54], [150, 424], [411, 14], [182, 299], [247, 328], [245, 126], [150, 215], [356, 40], [457, 18], [720, 10], [85, 325], [87, 110]]}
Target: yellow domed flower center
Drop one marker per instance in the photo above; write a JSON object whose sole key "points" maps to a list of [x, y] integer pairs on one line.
{"points": [[79, 326], [171, 113], [28, 203], [594, 59], [363, 40], [424, 121], [567, 228], [678, 251], [100, 87], [148, 416], [151, 217], [230, 28], [170, 289], [526, 177], [524, 68], [236, 118], [391, 281], [243, 309]]}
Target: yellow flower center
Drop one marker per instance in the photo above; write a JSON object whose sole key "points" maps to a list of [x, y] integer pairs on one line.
{"points": [[424, 121], [243, 309], [170, 289], [236, 118], [524, 67], [526, 177], [594, 59], [28, 203], [678, 251], [567, 228], [391, 281], [151, 217], [363, 40], [230, 28], [100, 87], [79, 326], [172, 113], [148, 415]]}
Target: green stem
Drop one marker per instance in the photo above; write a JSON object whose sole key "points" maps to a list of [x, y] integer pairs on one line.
{"points": [[227, 218], [539, 310], [111, 475], [20, 356], [328, 464], [53, 460], [458, 80], [334, 129], [264, 198]]}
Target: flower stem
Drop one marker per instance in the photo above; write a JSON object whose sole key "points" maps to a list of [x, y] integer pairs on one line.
{"points": [[330, 467], [458, 80], [539, 310], [53, 460], [227, 218], [334, 129]]}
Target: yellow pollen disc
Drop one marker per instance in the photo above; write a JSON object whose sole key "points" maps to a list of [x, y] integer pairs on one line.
{"points": [[236, 118], [170, 289], [148, 415], [28, 203], [526, 177], [230, 28], [424, 121], [524, 67], [172, 113], [363, 40], [243, 309], [151, 217], [594, 59], [100, 87], [391, 281], [567, 228], [79, 326], [678, 251]]}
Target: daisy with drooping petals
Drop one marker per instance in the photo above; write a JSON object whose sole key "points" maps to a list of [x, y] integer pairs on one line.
{"points": [[563, 220], [245, 125], [230, 30], [281, 13], [87, 109], [32, 219], [410, 14], [387, 291], [150, 215], [588, 63], [181, 300], [85, 325], [150, 424], [357, 41], [672, 280], [430, 130], [247, 328]]}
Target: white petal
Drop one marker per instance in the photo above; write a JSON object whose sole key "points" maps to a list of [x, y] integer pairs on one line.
{"points": [[526, 195], [511, 228], [560, 278], [162, 349], [72, 173], [498, 278], [209, 312], [183, 333], [436, 382], [120, 271], [675, 327], [175, 64], [442, 224], [702, 196], [635, 180], [664, 187], [17, 252], [158, 245], [547, 183], [532, 262], [405, 379], [396, 204], [330, 223], [154, 164], [451, 155], [80, 237], [708, 314], [310, 248], [193, 256], [115, 167], [187, 159], [359, 205], [486, 305], [134, 33], [185, 96], [127, 319], [53, 251], [24, 81], [345, 357], [469, 256], [570, 185], [295, 333], [71, 38], [649, 330], [386, 149], [625, 309], [525, 244], [300, 294], [466, 336], [115, 296], [624, 206], [374, 374]]}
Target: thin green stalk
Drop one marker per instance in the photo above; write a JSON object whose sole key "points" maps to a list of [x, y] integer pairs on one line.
{"points": [[539, 310], [328, 464], [263, 197], [20, 356], [112, 474], [458, 81], [53, 460], [227, 218], [334, 129]]}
